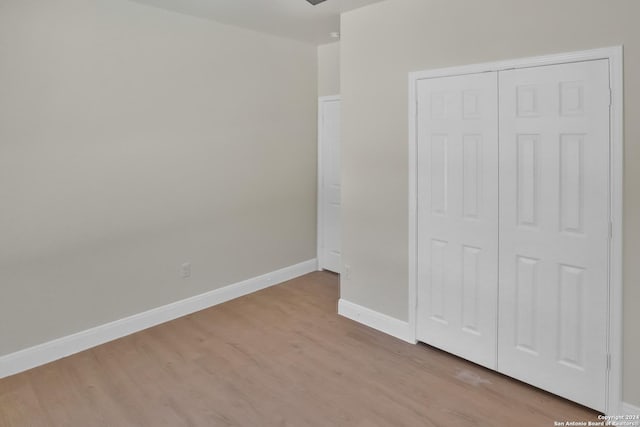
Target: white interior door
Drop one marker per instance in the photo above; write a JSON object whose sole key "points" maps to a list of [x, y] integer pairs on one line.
{"points": [[329, 241], [554, 228], [457, 143]]}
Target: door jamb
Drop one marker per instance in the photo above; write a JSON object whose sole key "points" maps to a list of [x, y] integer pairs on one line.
{"points": [[616, 162], [320, 177]]}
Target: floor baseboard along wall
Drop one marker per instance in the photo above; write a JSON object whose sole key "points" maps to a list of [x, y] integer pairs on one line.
{"points": [[403, 331], [41, 354], [376, 320]]}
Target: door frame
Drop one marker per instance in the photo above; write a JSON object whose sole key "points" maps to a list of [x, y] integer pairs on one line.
{"points": [[616, 162], [321, 199]]}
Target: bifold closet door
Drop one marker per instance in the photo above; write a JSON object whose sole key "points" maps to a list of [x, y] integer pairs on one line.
{"points": [[554, 228], [457, 138]]}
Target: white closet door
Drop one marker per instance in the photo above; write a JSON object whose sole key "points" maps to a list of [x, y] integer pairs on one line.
{"points": [[458, 215], [554, 228], [330, 203]]}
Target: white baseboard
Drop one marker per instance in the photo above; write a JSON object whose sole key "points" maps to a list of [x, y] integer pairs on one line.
{"points": [[629, 409], [376, 320], [62, 347]]}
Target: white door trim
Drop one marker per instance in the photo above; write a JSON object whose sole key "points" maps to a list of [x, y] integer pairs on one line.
{"points": [[614, 55], [320, 201]]}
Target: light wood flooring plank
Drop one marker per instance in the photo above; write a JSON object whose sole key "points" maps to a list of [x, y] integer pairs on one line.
{"points": [[279, 357]]}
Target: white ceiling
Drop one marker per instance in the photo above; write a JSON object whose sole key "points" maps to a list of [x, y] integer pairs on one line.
{"points": [[296, 19]]}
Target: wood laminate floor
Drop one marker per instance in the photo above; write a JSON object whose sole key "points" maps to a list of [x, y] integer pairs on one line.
{"points": [[279, 357]]}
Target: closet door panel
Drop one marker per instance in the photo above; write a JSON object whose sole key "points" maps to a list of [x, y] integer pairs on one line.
{"points": [[458, 215], [554, 228]]}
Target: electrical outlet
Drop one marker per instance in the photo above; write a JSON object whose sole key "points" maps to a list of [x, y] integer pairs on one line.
{"points": [[185, 270], [347, 272]]}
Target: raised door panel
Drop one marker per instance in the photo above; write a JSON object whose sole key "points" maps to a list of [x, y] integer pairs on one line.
{"points": [[458, 214], [554, 228]]}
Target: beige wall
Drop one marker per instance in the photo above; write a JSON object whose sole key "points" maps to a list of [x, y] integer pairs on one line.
{"points": [[133, 139], [329, 69], [380, 44]]}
